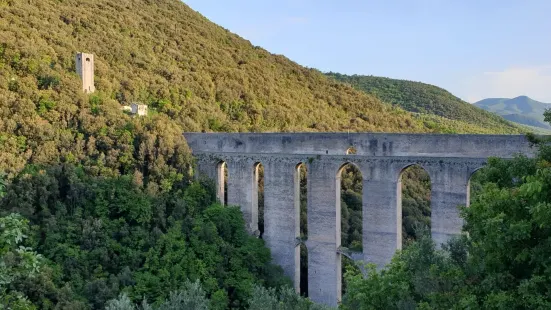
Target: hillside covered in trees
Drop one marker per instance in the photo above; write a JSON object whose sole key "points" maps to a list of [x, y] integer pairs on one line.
{"points": [[100, 236], [193, 73], [107, 198], [426, 99]]}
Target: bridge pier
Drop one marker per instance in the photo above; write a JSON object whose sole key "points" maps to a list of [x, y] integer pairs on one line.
{"points": [[382, 213], [207, 168], [324, 233], [450, 186], [243, 191], [281, 219]]}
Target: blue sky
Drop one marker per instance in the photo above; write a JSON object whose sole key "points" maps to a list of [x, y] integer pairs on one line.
{"points": [[473, 48]]}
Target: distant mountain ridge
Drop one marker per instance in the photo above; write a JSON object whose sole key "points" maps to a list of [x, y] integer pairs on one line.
{"points": [[522, 110]]}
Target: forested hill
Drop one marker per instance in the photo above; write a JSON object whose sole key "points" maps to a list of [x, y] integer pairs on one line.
{"points": [[425, 98], [193, 74]]}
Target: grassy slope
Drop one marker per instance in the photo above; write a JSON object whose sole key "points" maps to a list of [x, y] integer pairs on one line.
{"points": [[194, 75], [427, 99]]}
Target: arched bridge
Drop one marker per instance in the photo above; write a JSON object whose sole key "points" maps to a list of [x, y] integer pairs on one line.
{"points": [[449, 160]]}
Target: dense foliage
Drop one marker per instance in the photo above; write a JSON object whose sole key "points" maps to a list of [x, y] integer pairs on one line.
{"points": [[416, 200], [502, 262], [103, 235], [351, 208], [17, 262], [427, 99], [192, 296]]}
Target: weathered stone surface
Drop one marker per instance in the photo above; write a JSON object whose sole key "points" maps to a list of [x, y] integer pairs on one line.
{"points": [[324, 232], [367, 144], [242, 190], [449, 160], [280, 218], [85, 69]]}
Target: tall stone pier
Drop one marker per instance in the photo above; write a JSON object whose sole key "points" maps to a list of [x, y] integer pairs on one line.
{"points": [[450, 160]]}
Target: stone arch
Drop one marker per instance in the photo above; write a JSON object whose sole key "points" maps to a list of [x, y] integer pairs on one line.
{"points": [[257, 212], [351, 151], [404, 167], [222, 182], [413, 177], [349, 225], [301, 228], [470, 184], [348, 163], [301, 188]]}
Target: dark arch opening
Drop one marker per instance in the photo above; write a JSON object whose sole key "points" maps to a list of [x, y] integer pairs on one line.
{"points": [[474, 186], [349, 218], [222, 183], [414, 202], [258, 201], [301, 207]]}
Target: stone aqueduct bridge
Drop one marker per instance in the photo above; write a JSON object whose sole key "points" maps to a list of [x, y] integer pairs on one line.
{"points": [[449, 160]]}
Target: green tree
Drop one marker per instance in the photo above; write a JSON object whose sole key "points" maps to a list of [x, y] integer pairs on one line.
{"points": [[418, 276], [191, 296], [17, 261], [107, 235], [283, 299], [509, 226], [2, 185], [122, 303]]}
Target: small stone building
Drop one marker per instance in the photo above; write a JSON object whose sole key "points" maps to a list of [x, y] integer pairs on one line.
{"points": [[85, 69], [140, 109]]}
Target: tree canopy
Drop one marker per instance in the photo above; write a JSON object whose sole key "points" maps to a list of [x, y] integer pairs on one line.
{"points": [[104, 235]]}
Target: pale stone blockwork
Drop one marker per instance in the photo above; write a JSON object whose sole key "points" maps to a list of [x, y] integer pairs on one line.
{"points": [[382, 217], [449, 189], [324, 232], [242, 190], [280, 216]]}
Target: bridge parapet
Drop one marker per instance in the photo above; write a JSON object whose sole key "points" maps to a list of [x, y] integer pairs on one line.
{"points": [[367, 144]]}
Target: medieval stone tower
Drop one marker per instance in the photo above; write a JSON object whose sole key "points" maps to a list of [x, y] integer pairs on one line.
{"points": [[85, 69]]}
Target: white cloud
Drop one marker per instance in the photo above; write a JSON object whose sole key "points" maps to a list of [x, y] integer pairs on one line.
{"points": [[534, 82]]}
